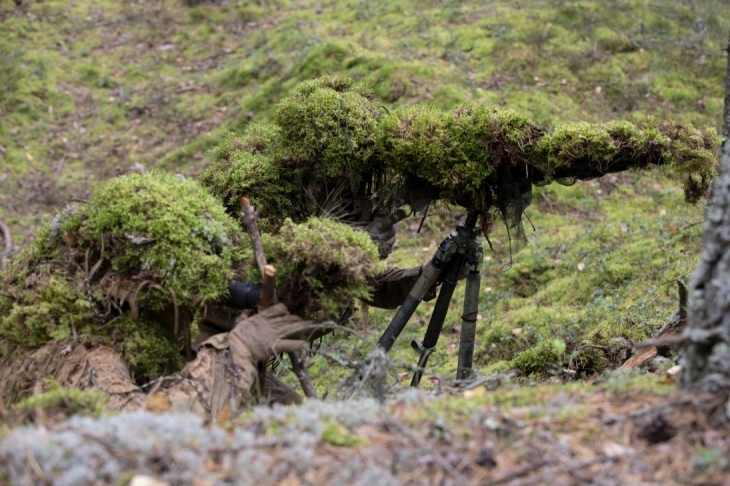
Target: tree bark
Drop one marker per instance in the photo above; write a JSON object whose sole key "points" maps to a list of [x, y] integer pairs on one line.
{"points": [[706, 363]]}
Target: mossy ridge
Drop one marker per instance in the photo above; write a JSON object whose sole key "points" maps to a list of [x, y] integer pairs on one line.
{"points": [[321, 266]]}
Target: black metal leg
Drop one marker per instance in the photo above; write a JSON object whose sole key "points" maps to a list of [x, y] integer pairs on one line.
{"points": [[468, 327], [424, 282], [438, 316]]}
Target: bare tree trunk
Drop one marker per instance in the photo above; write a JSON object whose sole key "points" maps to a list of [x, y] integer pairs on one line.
{"points": [[706, 364]]}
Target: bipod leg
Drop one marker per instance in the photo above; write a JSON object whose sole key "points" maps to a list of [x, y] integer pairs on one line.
{"points": [[468, 326], [438, 316], [424, 282]]}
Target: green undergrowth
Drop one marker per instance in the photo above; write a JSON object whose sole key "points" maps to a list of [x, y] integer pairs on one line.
{"points": [[108, 270], [76, 107]]}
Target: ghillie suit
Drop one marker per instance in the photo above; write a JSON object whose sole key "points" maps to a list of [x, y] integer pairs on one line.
{"points": [[110, 294], [333, 150]]}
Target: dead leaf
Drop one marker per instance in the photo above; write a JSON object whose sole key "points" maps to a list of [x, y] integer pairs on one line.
{"points": [[476, 392], [516, 331], [157, 403], [144, 480], [224, 414]]}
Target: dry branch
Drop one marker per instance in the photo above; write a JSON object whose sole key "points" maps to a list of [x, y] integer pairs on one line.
{"points": [[669, 335], [268, 293]]}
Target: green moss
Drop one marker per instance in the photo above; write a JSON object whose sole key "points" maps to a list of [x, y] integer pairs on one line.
{"points": [[538, 359], [48, 310], [337, 435], [329, 129], [143, 245], [612, 41], [457, 151], [162, 228], [148, 349], [246, 166], [321, 266], [70, 401]]}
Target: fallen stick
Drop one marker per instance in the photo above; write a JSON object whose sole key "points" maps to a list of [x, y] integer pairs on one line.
{"points": [[297, 365], [670, 334], [269, 297]]}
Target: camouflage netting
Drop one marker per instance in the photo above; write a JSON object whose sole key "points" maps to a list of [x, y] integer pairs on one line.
{"points": [[333, 143], [133, 267]]}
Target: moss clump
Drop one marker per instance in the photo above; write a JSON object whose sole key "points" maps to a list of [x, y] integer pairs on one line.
{"points": [[247, 165], [145, 245], [48, 309], [68, 401], [321, 266], [162, 235], [537, 359], [457, 151], [146, 347], [337, 435], [329, 129]]}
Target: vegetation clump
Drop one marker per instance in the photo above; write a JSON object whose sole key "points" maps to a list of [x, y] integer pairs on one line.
{"points": [[329, 129], [248, 165], [321, 266], [65, 401], [143, 246]]}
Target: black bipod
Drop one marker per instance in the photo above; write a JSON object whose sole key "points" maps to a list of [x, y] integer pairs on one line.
{"points": [[461, 248]]}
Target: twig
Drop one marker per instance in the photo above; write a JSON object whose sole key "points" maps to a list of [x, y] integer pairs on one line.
{"points": [[297, 365], [726, 110], [568, 468], [8, 245], [249, 219], [438, 458]]}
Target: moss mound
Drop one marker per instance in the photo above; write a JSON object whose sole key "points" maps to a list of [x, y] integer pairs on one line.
{"points": [[64, 401], [328, 128], [249, 165], [456, 151], [107, 270], [321, 266]]}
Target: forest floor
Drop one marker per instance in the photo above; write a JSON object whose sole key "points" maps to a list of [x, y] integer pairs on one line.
{"points": [[89, 90]]}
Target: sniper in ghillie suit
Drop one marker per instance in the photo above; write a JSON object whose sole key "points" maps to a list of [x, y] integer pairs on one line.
{"points": [[132, 291]]}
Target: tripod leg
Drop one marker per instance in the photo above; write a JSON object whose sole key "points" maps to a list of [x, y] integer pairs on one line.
{"points": [[438, 316], [424, 282], [468, 326]]}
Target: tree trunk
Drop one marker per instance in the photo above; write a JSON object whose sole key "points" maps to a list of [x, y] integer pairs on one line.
{"points": [[706, 364]]}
